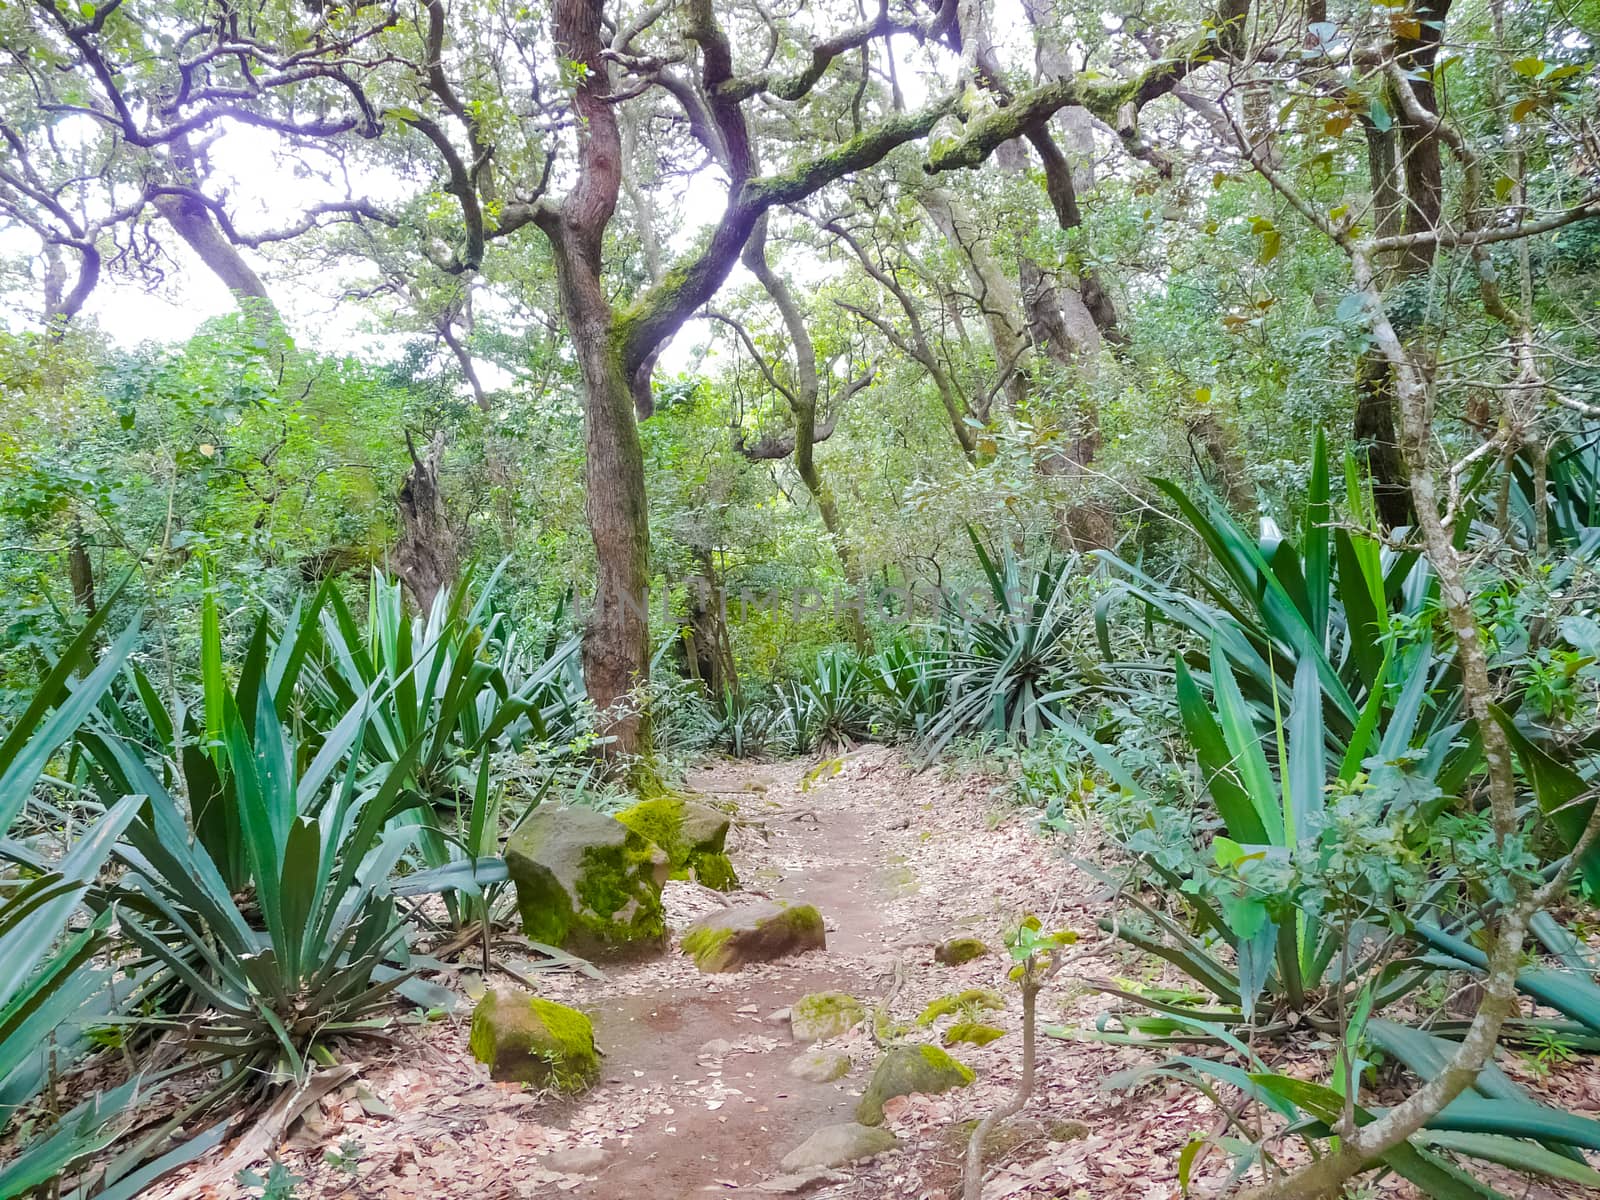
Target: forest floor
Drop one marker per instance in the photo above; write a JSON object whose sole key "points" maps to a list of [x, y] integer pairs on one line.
{"points": [[696, 1099]]}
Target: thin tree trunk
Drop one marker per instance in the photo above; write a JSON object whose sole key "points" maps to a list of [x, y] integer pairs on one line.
{"points": [[81, 572], [193, 222], [426, 557], [997, 298]]}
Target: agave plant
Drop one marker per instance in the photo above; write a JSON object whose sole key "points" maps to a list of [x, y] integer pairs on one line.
{"points": [[184, 742], [1272, 811], [910, 677], [1334, 599], [741, 725], [1571, 487], [1271, 957], [1008, 671], [828, 710], [1495, 1122], [451, 683], [48, 968], [318, 947], [53, 978]]}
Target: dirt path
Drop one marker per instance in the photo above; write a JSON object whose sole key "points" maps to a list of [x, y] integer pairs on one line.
{"points": [[696, 1099]]}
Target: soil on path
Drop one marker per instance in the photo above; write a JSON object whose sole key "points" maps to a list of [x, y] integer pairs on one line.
{"points": [[696, 1099]]}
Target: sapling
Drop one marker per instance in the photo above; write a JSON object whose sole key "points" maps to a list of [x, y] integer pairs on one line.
{"points": [[1036, 957]]}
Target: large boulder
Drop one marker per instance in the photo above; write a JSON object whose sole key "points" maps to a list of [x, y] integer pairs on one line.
{"points": [[835, 1145], [731, 937], [586, 882], [909, 1070], [524, 1039], [824, 1015], [692, 835]]}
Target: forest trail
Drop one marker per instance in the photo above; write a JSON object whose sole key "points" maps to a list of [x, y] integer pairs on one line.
{"points": [[696, 1099]]}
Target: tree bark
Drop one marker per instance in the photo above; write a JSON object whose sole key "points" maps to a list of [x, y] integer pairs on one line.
{"points": [[81, 572], [708, 648], [997, 299], [1377, 442], [426, 557], [616, 643], [193, 222]]}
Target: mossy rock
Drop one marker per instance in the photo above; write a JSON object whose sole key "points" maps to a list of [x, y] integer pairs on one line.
{"points": [[960, 950], [728, 939], [823, 1015], [971, 1000], [973, 1032], [692, 835], [836, 1145], [908, 1070], [820, 1066], [524, 1039], [586, 882]]}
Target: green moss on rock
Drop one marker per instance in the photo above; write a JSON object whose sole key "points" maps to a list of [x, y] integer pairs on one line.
{"points": [[971, 1000], [908, 1070], [731, 937], [524, 1039], [691, 835], [716, 872], [824, 1015], [974, 1032], [586, 882], [960, 950], [821, 1066]]}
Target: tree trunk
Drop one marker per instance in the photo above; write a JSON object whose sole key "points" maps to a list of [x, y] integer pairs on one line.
{"points": [[426, 557], [81, 572], [193, 222], [997, 299], [1377, 444], [616, 641], [707, 644]]}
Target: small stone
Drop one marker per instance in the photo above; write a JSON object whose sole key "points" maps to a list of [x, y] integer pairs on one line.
{"points": [[960, 950], [836, 1145], [580, 1160], [524, 1039], [974, 1032], [821, 1066], [792, 1184], [716, 1048], [729, 938], [778, 1016], [824, 1015], [908, 1070]]}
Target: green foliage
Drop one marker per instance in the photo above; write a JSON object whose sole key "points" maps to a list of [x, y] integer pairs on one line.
{"points": [[1007, 670], [321, 945]]}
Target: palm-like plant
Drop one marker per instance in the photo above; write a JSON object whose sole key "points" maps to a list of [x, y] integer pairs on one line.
{"points": [[451, 682], [318, 946], [1272, 810], [51, 976], [1335, 599], [910, 677], [1007, 671]]}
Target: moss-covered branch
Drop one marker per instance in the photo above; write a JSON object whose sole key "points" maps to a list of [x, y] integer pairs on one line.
{"points": [[694, 279], [1106, 99]]}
